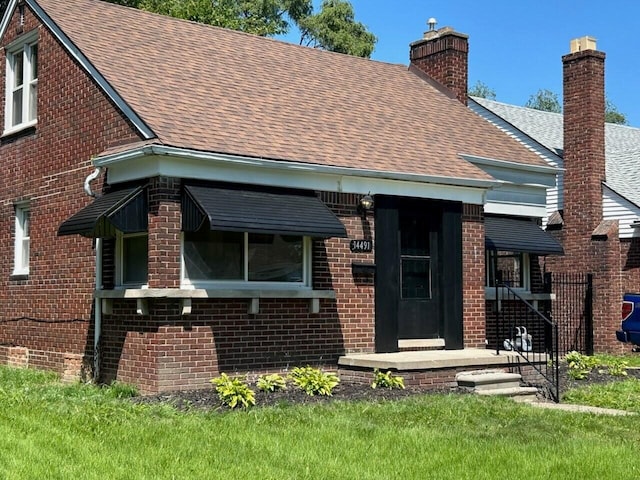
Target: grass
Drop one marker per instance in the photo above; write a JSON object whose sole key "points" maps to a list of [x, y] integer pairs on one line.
{"points": [[632, 360], [622, 395], [52, 431]]}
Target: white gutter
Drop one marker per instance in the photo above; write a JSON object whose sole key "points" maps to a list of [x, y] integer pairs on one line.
{"points": [[97, 302], [161, 150]]}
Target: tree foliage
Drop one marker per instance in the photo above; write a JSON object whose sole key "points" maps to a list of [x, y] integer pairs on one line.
{"points": [[333, 27], [548, 101], [482, 90], [545, 100], [613, 115]]}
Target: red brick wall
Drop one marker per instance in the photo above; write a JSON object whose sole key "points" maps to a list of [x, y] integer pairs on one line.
{"points": [[443, 56], [473, 276], [50, 312], [167, 351], [630, 252]]}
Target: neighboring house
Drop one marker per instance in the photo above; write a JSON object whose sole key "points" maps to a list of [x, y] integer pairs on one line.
{"points": [[595, 208], [232, 227]]}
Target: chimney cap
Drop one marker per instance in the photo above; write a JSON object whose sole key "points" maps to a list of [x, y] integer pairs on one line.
{"points": [[582, 43], [432, 22]]}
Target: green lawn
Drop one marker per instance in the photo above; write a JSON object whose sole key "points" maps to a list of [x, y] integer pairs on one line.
{"points": [[49, 431]]}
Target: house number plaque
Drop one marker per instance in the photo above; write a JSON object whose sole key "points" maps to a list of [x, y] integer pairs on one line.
{"points": [[361, 246]]}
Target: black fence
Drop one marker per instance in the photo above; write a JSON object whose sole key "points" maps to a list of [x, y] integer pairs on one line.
{"points": [[572, 310]]}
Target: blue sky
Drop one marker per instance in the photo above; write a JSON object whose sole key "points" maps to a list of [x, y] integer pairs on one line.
{"points": [[515, 46]]}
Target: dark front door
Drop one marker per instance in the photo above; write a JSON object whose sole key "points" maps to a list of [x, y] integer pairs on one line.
{"points": [[418, 312]]}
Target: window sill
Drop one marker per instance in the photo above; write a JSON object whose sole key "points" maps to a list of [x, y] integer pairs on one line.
{"points": [[186, 295], [23, 127], [17, 277]]}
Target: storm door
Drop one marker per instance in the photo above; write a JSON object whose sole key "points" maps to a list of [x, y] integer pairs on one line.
{"points": [[418, 312]]}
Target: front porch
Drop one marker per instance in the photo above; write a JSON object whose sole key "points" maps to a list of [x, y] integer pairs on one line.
{"points": [[437, 368]]}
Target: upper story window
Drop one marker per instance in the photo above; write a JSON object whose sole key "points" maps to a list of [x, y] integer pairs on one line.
{"points": [[22, 240], [509, 268], [235, 258], [22, 85]]}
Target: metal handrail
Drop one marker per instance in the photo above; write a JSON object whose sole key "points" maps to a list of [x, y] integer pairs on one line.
{"points": [[538, 335]]}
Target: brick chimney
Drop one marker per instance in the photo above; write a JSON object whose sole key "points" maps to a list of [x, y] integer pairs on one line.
{"points": [[584, 139], [442, 54]]}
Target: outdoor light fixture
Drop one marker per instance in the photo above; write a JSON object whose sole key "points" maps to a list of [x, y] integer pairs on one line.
{"points": [[365, 204]]}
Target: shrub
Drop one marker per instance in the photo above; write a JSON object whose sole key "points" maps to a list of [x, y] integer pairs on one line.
{"points": [[313, 381], [617, 367], [233, 392], [579, 365], [271, 383], [386, 380]]}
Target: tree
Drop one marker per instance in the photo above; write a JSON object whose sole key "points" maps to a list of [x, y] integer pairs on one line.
{"points": [[612, 115], [545, 100], [333, 27], [482, 90], [548, 101]]}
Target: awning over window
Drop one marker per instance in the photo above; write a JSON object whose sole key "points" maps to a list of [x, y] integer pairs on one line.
{"points": [[124, 210], [258, 211], [515, 235]]}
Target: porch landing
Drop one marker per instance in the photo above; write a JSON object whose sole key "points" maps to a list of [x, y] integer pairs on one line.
{"points": [[432, 359]]}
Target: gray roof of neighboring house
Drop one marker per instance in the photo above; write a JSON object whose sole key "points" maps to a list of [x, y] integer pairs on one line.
{"points": [[622, 143]]}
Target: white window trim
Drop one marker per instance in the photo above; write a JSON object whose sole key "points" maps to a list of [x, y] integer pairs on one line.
{"points": [[119, 283], [23, 45], [246, 284], [21, 210], [526, 273]]}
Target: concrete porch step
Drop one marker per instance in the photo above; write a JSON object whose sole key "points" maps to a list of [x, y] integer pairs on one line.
{"points": [[428, 344], [488, 380], [521, 394]]}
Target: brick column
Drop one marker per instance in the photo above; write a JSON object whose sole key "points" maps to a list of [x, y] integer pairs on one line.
{"points": [[473, 276], [164, 232]]}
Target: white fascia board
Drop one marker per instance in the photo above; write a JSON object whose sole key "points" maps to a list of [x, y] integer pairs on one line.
{"points": [[8, 13], [476, 160], [153, 160], [93, 72], [519, 209]]}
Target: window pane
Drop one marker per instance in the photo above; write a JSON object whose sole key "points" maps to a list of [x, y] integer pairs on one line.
{"points": [[33, 101], [214, 255], [26, 223], [25, 253], [275, 258], [505, 267], [416, 278], [414, 235], [17, 107], [134, 259], [18, 69], [34, 61]]}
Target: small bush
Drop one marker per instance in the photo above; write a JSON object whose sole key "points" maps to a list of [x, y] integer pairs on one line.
{"points": [[271, 383], [313, 381], [386, 380], [617, 368], [233, 392], [580, 365]]}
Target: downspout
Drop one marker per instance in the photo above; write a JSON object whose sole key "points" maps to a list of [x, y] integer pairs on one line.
{"points": [[97, 303]]}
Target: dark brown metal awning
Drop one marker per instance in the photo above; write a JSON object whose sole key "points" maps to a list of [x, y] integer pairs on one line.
{"points": [[519, 235], [123, 210], [257, 210]]}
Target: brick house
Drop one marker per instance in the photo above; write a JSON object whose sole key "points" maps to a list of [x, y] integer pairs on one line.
{"points": [[200, 200], [594, 210]]}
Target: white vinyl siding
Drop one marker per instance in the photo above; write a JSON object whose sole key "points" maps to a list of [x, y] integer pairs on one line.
{"points": [[618, 208]]}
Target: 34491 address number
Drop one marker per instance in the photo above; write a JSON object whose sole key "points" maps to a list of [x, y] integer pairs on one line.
{"points": [[361, 246]]}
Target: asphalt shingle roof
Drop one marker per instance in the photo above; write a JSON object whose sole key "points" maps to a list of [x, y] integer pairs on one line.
{"points": [[622, 143], [211, 89]]}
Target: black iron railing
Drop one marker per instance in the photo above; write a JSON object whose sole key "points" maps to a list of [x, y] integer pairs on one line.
{"points": [[528, 330]]}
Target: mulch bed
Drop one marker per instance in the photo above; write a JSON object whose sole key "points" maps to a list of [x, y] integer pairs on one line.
{"points": [[207, 399]]}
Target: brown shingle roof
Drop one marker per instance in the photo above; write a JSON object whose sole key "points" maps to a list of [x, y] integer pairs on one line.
{"points": [[211, 89]]}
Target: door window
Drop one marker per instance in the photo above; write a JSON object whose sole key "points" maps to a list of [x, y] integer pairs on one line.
{"points": [[415, 257]]}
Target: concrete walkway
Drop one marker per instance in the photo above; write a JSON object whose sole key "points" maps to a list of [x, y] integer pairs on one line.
{"points": [[567, 407]]}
